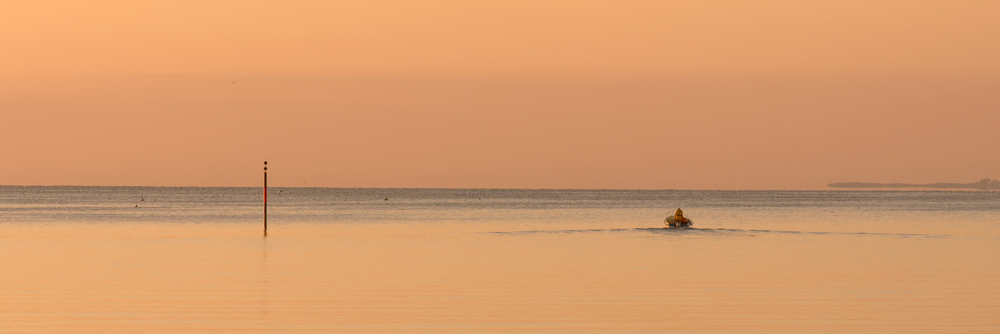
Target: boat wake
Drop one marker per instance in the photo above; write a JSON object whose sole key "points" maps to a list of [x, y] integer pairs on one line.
{"points": [[692, 231]]}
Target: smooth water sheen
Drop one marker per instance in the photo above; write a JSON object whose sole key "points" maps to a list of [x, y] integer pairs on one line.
{"points": [[164, 260]]}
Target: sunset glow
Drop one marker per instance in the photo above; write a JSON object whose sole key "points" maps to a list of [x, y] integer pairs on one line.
{"points": [[512, 94]]}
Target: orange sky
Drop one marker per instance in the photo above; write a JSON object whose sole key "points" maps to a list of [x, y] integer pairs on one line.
{"points": [[533, 94]]}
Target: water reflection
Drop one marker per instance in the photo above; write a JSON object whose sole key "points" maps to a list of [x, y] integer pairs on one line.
{"points": [[265, 288], [515, 261]]}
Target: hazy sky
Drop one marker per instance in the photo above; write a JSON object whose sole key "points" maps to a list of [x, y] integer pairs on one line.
{"points": [[510, 94]]}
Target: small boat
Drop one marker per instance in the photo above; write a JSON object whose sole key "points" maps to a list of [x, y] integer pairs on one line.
{"points": [[670, 222]]}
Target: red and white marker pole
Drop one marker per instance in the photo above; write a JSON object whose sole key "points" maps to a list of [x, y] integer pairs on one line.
{"points": [[265, 198]]}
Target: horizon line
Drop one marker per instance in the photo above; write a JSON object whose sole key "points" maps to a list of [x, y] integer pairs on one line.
{"points": [[835, 185]]}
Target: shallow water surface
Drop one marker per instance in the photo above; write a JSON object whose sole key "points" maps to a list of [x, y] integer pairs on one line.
{"points": [[133, 259]]}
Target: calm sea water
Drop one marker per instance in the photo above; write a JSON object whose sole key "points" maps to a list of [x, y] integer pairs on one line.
{"points": [[161, 259]]}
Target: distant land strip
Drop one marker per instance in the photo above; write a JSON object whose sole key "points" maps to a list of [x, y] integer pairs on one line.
{"points": [[984, 184]]}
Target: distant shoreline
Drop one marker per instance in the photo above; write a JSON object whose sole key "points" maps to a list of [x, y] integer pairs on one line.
{"points": [[984, 184]]}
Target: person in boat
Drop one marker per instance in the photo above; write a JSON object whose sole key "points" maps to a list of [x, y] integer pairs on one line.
{"points": [[678, 220]]}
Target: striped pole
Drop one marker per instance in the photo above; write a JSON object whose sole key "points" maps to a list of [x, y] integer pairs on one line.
{"points": [[265, 198]]}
